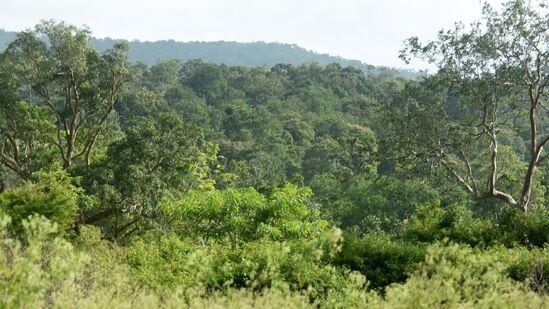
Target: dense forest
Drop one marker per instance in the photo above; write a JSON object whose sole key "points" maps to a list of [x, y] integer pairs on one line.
{"points": [[188, 183]]}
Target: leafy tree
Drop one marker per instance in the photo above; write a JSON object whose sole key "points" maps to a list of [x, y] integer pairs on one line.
{"points": [[365, 204], [158, 158], [25, 130], [258, 84], [79, 87], [162, 76], [207, 80], [192, 108], [498, 70], [245, 214]]}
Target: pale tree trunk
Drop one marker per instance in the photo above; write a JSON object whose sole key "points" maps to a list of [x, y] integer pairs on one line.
{"points": [[535, 89]]}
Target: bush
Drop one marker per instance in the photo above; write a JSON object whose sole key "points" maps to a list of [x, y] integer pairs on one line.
{"points": [[53, 197], [165, 263], [237, 215], [528, 266], [33, 273], [527, 229], [302, 266], [44, 270], [382, 260], [431, 223], [454, 276]]}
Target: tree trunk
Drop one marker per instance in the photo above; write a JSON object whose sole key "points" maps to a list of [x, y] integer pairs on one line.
{"points": [[529, 180]]}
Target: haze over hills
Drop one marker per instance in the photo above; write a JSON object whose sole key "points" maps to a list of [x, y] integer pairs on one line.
{"points": [[230, 53]]}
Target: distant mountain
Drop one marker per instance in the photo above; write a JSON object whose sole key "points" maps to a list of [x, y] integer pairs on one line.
{"points": [[5, 38], [229, 53]]}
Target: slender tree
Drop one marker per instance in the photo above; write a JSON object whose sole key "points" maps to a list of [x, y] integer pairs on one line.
{"points": [[498, 70]]}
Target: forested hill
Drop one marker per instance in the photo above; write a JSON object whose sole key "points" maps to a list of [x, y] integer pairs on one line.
{"points": [[5, 38], [229, 53]]}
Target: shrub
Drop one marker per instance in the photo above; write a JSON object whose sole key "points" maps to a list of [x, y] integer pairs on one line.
{"points": [[527, 229], [454, 276], [430, 223], [33, 273], [237, 215], [528, 266], [166, 262], [42, 270], [382, 260], [300, 265], [53, 197]]}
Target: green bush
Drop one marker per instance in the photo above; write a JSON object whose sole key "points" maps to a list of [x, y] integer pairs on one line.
{"points": [[527, 229], [52, 196], [528, 266], [300, 265], [382, 260], [34, 272], [454, 276], [431, 222], [44, 270], [166, 262], [244, 214]]}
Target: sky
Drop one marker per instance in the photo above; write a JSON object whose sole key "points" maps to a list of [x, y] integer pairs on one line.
{"points": [[368, 30]]}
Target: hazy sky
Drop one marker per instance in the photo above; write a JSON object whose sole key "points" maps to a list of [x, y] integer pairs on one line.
{"points": [[367, 30]]}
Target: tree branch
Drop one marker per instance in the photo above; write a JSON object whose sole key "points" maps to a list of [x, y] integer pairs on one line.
{"points": [[459, 178]]}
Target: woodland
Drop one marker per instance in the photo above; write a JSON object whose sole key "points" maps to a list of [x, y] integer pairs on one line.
{"points": [[190, 183]]}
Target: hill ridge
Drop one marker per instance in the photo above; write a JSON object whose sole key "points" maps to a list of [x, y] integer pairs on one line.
{"points": [[232, 53]]}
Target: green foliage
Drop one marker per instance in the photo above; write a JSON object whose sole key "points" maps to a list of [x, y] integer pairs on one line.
{"points": [[55, 69], [431, 222], [454, 276], [53, 196], [530, 266], [164, 148], [380, 259], [493, 69], [457, 223], [45, 270], [530, 229], [23, 127], [371, 204], [200, 185], [33, 273], [244, 214], [166, 263], [158, 158], [300, 265]]}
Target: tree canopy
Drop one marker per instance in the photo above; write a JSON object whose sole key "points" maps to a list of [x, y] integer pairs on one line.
{"points": [[195, 184]]}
